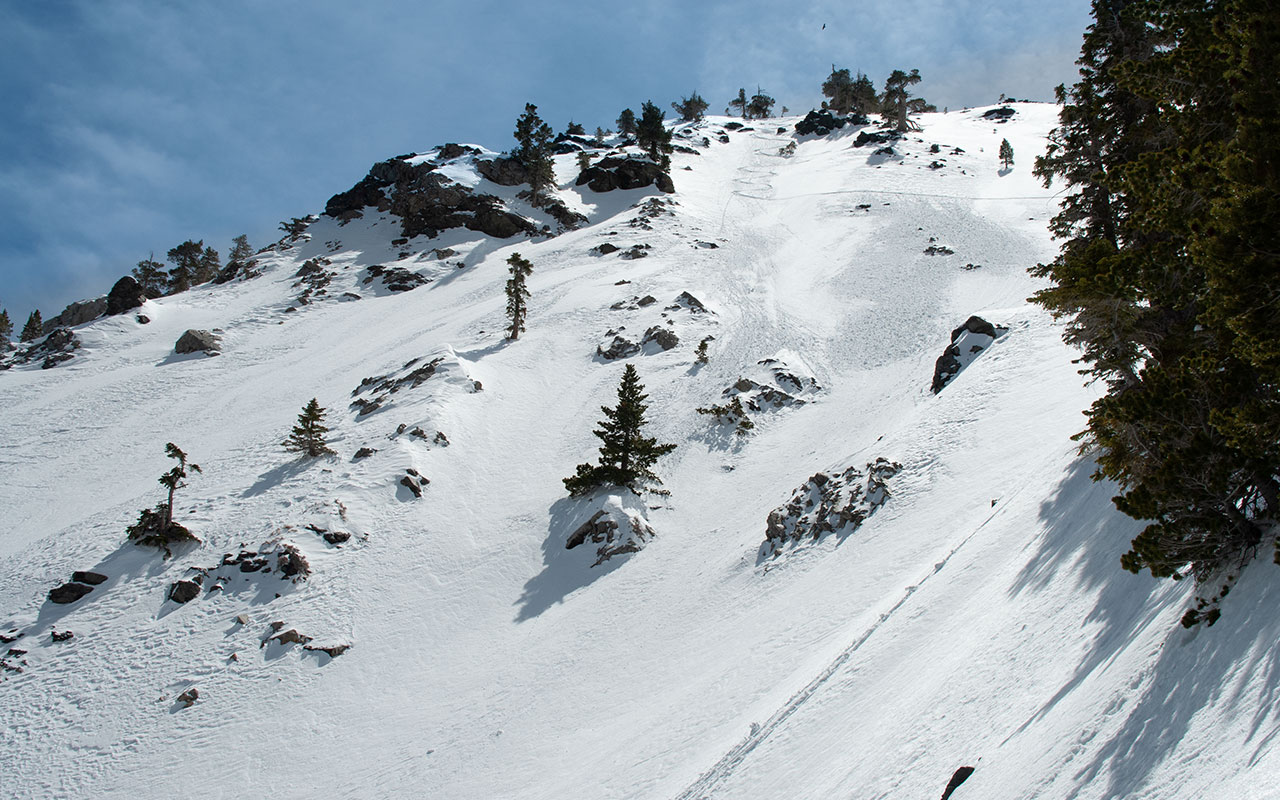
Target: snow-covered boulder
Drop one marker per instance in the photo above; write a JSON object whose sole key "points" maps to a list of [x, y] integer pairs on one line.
{"points": [[828, 503], [967, 343], [617, 527]]}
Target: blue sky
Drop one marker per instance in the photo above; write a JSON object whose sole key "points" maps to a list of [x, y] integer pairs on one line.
{"points": [[129, 127]]}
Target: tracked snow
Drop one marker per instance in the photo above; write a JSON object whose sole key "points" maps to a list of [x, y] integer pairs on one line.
{"points": [[978, 618]]}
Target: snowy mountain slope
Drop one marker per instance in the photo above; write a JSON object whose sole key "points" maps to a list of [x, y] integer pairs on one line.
{"points": [[979, 618]]}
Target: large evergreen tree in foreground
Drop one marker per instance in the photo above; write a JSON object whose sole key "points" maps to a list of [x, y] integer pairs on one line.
{"points": [[1169, 274], [626, 454]]}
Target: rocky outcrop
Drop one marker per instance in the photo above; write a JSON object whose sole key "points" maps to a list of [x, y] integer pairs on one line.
{"points": [[999, 114], [615, 530], [876, 137], [663, 337], [194, 341], [828, 503], [620, 347], [126, 295], [68, 593], [91, 578], [77, 314], [184, 591], [503, 171], [625, 172], [824, 122], [395, 279], [967, 342]]}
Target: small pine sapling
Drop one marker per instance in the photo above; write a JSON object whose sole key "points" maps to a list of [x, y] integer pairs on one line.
{"points": [[700, 354], [517, 294], [626, 455], [1006, 154], [155, 526], [732, 413], [307, 437]]}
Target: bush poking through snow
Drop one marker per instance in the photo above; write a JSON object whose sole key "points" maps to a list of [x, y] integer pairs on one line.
{"points": [[731, 413]]}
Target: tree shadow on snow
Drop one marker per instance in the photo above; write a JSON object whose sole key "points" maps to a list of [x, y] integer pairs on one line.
{"points": [[278, 475], [1085, 535], [564, 571]]}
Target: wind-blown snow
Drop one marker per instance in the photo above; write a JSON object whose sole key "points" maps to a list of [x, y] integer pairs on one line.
{"points": [[979, 618]]}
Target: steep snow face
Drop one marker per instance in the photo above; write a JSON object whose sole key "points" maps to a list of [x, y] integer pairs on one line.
{"points": [[978, 618]]}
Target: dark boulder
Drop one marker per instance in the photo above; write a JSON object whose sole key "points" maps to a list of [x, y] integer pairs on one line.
{"points": [[453, 150], [999, 114], [967, 342], [126, 295], [68, 593], [503, 171], [664, 337], [605, 248], [625, 172], [188, 698], [619, 348], [824, 122], [184, 591], [875, 137], [958, 777], [91, 578], [733, 126], [194, 341], [498, 223]]}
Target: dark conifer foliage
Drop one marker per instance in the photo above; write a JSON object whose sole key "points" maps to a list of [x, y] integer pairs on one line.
{"points": [[517, 294], [6, 329], [760, 106], [34, 328], [627, 456], [741, 103], [654, 136], [896, 102], [150, 275], [193, 264], [849, 95], [1006, 154], [627, 122], [307, 437], [1170, 274], [690, 108], [534, 153]]}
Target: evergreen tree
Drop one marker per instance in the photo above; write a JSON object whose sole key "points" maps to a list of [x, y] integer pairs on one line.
{"points": [[740, 102], [575, 129], [187, 259], [690, 108], [534, 152], [34, 328], [1006, 154], [151, 276], [653, 136], [240, 258], [627, 122], [600, 134], [760, 106], [207, 267], [517, 294], [307, 437], [626, 455], [1170, 274], [897, 102], [155, 527], [6, 329], [838, 87]]}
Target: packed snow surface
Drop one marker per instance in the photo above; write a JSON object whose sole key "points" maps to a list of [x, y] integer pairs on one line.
{"points": [[978, 618]]}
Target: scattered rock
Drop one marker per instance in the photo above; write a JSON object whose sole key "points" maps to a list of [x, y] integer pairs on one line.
{"points": [[194, 341], [189, 697], [91, 578], [453, 150], [68, 593], [615, 529], [635, 251], [664, 337], [828, 503], [242, 619], [620, 347], [64, 636], [1001, 114], [875, 137], [689, 303], [291, 636], [333, 651], [292, 564], [605, 249], [363, 452], [413, 484], [625, 172], [143, 319], [967, 343], [184, 591], [733, 126], [938, 250], [824, 122], [125, 295], [396, 279]]}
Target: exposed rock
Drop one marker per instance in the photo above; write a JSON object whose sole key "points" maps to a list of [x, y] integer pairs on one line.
{"points": [[828, 503], [620, 347], [143, 319], [126, 295], [503, 171], [625, 172], [938, 250], [875, 137], [184, 591], [292, 563], [194, 341], [335, 537], [189, 697], [733, 126], [55, 348], [967, 343], [616, 530], [77, 314], [958, 777], [363, 452], [569, 220], [691, 303], [68, 593], [605, 249], [396, 279], [242, 619], [647, 300], [824, 122], [635, 251], [665, 337], [91, 578], [452, 150], [63, 636], [333, 650], [411, 484], [999, 114]]}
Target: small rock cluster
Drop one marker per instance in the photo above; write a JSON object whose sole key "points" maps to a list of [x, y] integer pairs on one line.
{"points": [[380, 388], [611, 538], [625, 172], [56, 348], [967, 342], [81, 584], [395, 279], [828, 503]]}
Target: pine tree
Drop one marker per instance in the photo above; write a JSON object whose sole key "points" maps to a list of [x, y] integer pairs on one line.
{"points": [[240, 258], [838, 87], [6, 329], [517, 294], [690, 108], [897, 102], [34, 328], [740, 102], [151, 276], [627, 122], [575, 129], [1006, 154], [155, 527], [534, 152], [207, 267], [187, 259], [653, 136], [626, 455], [307, 437], [761, 105]]}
